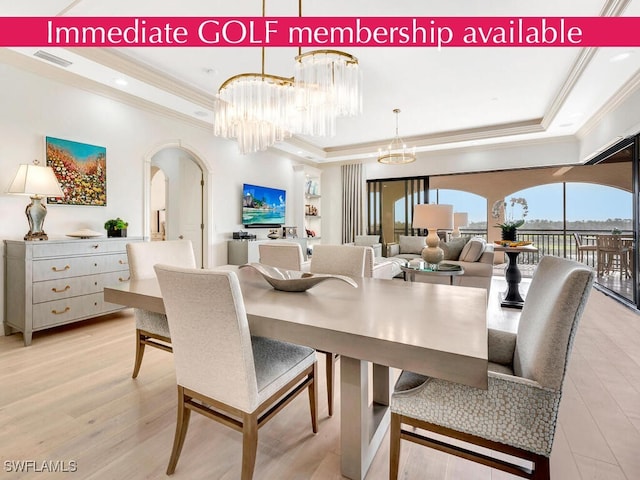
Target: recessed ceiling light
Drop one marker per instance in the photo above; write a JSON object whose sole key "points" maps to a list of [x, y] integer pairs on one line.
{"points": [[620, 57], [300, 152], [121, 81], [201, 113]]}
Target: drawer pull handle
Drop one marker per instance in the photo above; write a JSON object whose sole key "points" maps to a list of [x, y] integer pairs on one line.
{"points": [[95, 246], [122, 262], [120, 279], [66, 309], [56, 269], [54, 289]]}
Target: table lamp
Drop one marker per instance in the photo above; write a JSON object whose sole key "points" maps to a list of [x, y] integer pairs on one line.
{"points": [[36, 181], [433, 217], [460, 219]]}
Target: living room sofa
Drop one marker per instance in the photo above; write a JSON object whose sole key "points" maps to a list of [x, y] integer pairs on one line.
{"points": [[474, 255]]}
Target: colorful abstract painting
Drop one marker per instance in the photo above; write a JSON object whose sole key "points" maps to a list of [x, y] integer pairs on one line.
{"points": [[81, 170]]}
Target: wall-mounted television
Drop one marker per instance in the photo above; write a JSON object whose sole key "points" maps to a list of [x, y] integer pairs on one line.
{"points": [[263, 206]]}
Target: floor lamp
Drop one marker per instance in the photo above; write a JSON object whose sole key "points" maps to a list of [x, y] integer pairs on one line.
{"points": [[36, 181], [433, 216]]}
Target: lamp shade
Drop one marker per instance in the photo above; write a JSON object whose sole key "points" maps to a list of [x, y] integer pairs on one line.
{"points": [[35, 180], [460, 219], [433, 216]]}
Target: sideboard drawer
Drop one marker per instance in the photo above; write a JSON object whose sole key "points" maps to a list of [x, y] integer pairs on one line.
{"points": [[75, 286], [58, 312], [78, 247], [78, 266]]}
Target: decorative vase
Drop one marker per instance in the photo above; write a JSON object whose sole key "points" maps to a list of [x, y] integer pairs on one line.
{"points": [[509, 234]]}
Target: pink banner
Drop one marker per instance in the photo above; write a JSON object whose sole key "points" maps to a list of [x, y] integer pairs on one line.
{"points": [[326, 32]]}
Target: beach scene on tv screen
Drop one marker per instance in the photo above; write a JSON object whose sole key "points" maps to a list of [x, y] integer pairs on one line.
{"points": [[263, 205]]}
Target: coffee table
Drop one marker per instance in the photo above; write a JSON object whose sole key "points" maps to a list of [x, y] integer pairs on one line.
{"points": [[410, 273]]}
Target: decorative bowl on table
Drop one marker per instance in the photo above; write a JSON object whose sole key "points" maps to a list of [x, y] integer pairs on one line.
{"points": [[84, 233], [512, 243], [294, 281]]}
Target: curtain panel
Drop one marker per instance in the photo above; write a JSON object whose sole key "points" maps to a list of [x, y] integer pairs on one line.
{"points": [[352, 202]]}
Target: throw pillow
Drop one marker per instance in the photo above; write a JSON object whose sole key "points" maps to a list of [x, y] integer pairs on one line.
{"points": [[453, 248], [411, 244], [473, 250]]}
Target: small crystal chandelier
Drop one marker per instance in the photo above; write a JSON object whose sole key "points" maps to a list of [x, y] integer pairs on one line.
{"points": [[328, 85], [397, 152]]}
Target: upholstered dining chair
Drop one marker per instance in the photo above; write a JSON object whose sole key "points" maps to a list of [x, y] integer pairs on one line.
{"points": [[287, 255], [152, 328], [346, 260], [223, 372], [517, 415]]}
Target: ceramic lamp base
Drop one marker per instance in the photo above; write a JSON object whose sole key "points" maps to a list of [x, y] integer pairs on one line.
{"points": [[36, 212], [432, 253]]}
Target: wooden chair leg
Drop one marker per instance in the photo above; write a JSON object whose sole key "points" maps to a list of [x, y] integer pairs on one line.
{"points": [[313, 399], [139, 354], [249, 444], [394, 450], [331, 372], [541, 469], [182, 423]]}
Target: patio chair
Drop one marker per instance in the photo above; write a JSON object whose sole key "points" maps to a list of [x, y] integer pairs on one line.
{"points": [[613, 253], [583, 248]]}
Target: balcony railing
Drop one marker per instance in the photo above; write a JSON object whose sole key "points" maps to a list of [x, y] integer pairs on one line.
{"points": [[560, 243]]}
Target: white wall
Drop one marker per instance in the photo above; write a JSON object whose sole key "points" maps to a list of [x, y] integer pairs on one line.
{"points": [[34, 107]]}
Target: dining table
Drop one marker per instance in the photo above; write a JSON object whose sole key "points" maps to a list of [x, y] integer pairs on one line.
{"points": [[431, 329]]}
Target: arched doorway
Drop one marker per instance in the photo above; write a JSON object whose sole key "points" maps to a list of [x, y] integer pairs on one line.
{"points": [[181, 214]]}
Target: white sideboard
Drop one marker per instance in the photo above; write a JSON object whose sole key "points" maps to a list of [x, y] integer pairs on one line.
{"points": [[240, 252], [56, 282]]}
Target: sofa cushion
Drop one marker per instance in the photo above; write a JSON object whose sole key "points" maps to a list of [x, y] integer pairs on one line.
{"points": [[473, 250], [474, 269], [366, 240], [453, 248], [411, 244]]}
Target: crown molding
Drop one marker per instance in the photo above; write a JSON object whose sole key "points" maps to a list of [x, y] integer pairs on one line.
{"points": [[144, 73], [32, 65], [628, 89], [575, 73]]}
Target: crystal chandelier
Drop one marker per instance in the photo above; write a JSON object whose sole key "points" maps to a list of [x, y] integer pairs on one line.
{"points": [[251, 107], [328, 85], [397, 152], [259, 110]]}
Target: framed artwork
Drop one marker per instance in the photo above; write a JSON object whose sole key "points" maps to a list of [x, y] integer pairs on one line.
{"points": [[81, 170]]}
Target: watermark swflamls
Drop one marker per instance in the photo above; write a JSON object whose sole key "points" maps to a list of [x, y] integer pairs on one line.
{"points": [[40, 466]]}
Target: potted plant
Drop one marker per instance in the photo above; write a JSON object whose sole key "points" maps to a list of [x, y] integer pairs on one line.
{"points": [[510, 222], [116, 227]]}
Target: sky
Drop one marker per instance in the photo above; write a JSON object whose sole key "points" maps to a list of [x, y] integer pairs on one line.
{"points": [[584, 202]]}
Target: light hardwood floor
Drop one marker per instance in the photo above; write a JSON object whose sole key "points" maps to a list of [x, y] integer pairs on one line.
{"points": [[70, 397]]}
